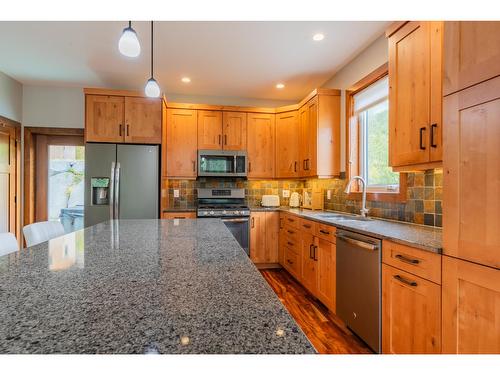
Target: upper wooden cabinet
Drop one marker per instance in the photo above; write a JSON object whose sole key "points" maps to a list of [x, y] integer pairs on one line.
{"points": [[319, 134], [287, 144], [415, 96], [471, 54], [209, 130], [471, 195], [264, 231], [261, 145], [234, 131], [180, 141], [122, 119], [471, 308], [104, 120]]}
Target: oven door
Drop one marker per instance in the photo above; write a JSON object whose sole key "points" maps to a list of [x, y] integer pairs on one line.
{"points": [[217, 163], [240, 228]]}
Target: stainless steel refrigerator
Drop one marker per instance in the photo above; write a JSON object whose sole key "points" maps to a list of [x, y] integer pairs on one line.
{"points": [[121, 182]]}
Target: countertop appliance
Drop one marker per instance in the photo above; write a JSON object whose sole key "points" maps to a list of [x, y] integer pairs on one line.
{"points": [[270, 201], [294, 200], [222, 163], [229, 205], [121, 182], [358, 285]]}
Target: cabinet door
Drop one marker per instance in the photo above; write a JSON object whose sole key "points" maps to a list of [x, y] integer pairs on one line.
{"points": [[304, 139], [272, 236], [471, 308], [326, 255], [235, 131], [471, 53], [309, 267], [210, 130], [180, 143], [436, 92], [261, 145], [287, 144], [312, 139], [258, 237], [471, 196], [409, 94], [104, 120], [142, 120], [411, 313]]}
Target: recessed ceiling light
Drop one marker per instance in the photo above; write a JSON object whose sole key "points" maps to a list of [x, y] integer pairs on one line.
{"points": [[280, 85], [186, 79], [317, 37]]}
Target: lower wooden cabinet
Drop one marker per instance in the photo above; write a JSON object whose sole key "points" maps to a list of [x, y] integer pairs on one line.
{"points": [[326, 253], [411, 313], [264, 232], [179, 215], [309, 263], [471, 308]]}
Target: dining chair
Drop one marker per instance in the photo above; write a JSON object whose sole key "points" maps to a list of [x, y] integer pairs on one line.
{"points": [[8, 243], [42, 231]]}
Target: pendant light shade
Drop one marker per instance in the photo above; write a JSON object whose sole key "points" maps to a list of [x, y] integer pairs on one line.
{"points": [[152, 88], [129, 44]]}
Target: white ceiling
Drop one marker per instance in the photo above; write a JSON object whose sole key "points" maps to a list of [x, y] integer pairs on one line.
{"points": [[240, 59]]}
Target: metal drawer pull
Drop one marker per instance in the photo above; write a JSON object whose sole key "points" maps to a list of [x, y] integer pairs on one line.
{"points": [[290, 231], [290, 220], [405, 281], [364, 245], [324, 231], [310, 251], [422, 147], [402, 258], [290, 243], [289, 261], [306, 225], [314, 252], [433, 126]]}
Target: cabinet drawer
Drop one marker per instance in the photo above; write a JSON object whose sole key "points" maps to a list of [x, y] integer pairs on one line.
{"points": [[418, 262], [307, 226], [178, 215], [290, 242], [292, 233], [292, 262], [326, 232], [291, 220]]}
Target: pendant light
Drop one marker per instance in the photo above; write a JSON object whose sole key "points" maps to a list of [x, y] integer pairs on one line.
{"points": [[129, 44], [152, 89]]}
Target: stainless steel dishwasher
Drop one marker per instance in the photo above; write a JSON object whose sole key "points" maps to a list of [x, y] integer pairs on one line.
{"points": [[358, 285]]}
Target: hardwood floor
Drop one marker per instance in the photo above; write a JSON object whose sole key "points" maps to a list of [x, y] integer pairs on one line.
{"points": [[325, 331]]}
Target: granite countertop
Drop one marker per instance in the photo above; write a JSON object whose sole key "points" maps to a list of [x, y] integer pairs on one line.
{"points": [[419, 236], [142, 286]]}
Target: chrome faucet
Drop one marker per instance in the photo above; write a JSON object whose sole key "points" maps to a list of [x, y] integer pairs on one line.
{"points": [[364, 210]]}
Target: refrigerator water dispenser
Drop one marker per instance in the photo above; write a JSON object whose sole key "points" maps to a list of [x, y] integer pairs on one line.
{"points": [[100, 191]]}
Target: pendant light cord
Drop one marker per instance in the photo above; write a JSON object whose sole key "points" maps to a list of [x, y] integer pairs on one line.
{"points": [[151, 49]]}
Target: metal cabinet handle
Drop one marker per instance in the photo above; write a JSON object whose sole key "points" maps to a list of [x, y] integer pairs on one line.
{"points": [[194, 165], [289, 261], [290, 231], [405, 281], [362, 244], [311, 251], [291, 220], [219, 137], [433, 126], [422, 147], [249, 166], [120, 129], [308, 226], [304, 164], [253, 222], [225, 139], [314, 252], [324, 231], [290, 243], [128, 127], [402, 258], [295, 166], [281, 223]]}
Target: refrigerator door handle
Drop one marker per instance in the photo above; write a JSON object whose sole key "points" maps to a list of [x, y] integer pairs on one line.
{"points": [[112, 192], [117, 192]]}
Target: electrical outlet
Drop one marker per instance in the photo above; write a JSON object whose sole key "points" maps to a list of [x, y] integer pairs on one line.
{"points": [[328, 194], [286, 193], [176, 193]]}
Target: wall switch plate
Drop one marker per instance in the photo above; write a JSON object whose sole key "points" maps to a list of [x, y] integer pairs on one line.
{"points": [[176, 193], [286, 193], [328, 194]]}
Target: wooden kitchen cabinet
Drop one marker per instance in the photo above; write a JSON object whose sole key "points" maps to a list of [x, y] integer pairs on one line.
{"points": [[143, 117], [264, 232], [104, 120], [471, 53], [471, 178], [326, 255], [411, 313], [415, 96], [309, 264], [179, 215], [180, 143], [210, 130], [471, 308], [287, 144], [261, 129], [234, 131]]}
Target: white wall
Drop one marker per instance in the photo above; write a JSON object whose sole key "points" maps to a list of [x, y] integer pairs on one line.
{"points": [[363, 64], [11, 98], [53, 106]]}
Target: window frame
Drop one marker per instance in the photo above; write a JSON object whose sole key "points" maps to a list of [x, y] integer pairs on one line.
{"points": [[353, 144]]}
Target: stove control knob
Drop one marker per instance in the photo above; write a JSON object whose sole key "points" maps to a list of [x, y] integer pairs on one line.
{"points": [[236, 212], [211, 212], [205, 213], [224, 212]]}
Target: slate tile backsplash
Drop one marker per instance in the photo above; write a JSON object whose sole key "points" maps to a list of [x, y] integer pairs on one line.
{"points": [[423, 204]]}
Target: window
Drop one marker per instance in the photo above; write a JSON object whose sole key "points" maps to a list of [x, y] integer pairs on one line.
{"points": [[368, 136]]}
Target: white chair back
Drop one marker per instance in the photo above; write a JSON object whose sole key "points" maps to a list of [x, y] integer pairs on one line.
{"points": [[43, 231], [8, 243]]}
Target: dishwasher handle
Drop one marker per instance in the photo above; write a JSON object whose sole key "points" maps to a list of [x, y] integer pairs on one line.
{"points": [[353, 241]]}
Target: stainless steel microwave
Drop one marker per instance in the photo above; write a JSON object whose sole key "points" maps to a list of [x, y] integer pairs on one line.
{"points": [[219, 163]]}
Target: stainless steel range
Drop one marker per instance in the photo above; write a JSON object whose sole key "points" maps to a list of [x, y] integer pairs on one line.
{"points": [[229, 205]]}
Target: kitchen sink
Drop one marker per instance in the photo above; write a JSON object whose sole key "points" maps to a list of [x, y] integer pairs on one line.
{"points": [[340, 217]]}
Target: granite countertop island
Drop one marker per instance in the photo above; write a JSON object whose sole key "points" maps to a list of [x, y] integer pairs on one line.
{"points": [[142, 286]]}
